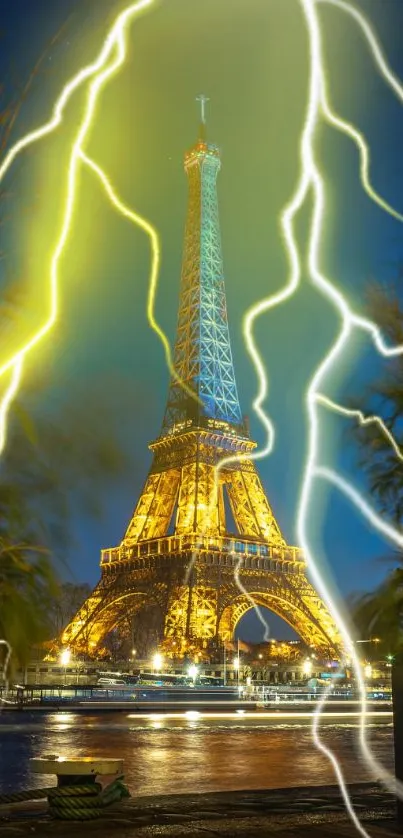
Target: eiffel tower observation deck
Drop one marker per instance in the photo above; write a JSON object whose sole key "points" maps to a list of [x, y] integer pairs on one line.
{"points": [[179, 558]]}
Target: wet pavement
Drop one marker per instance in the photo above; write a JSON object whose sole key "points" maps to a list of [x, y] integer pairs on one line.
{"points": [[317, 810]]}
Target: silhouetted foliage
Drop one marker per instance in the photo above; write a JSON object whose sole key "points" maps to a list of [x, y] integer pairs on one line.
{"points": [[68, 599], [378, 616], [52, 466], [379, 613], [383, 468]]}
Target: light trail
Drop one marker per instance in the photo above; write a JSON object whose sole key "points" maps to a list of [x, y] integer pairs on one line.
{"points": [[252, 714]]}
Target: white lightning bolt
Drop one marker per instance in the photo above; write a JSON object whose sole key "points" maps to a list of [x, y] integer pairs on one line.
{"points": [[349, 321], [373, 419], [310, 179], [248, 596]]}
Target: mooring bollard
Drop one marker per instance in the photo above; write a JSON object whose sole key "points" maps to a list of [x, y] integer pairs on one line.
{"points": [[397, 698], [78, 795]]}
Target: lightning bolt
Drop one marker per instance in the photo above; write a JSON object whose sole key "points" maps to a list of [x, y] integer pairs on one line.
{"points": [[10, 393], [311, 180], [144, 225], [109, 60], [362, 420]]}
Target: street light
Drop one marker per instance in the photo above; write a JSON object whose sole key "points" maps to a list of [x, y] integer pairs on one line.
{"points": [[157, 661], [65, 660], [192, 672], [368, 670], [307, 667]]}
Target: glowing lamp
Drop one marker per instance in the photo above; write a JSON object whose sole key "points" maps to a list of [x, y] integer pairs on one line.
{"points": [[157, 661], [65, 657]]}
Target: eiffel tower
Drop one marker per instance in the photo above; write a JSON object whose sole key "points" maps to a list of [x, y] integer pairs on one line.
{"points": [[177, 553]]}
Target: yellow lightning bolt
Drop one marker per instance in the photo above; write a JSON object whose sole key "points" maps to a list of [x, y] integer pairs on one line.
{"points": [[144, 225], [8, 397], [114, 42], [310, 179], [109, 60]]}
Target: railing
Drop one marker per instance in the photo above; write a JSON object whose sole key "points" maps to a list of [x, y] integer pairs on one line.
{"points": [[200, 543]]}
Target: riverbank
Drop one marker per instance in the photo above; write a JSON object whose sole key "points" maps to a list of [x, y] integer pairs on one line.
{"points": [[318, 810]]}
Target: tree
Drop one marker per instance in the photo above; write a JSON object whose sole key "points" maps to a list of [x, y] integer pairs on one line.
{"points": [[27, 586], [378, 616], [378, 459], [68, 599], [379, 613], [53, 463], [58, 459]]}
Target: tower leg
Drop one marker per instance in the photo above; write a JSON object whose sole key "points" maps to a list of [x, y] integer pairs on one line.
{"points": [[154, 510], [249, 505], [189, 609]]}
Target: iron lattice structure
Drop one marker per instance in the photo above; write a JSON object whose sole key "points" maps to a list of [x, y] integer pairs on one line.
{"points": [[177, 553]]}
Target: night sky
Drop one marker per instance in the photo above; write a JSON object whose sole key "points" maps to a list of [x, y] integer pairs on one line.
{"points": [[250, 58]]}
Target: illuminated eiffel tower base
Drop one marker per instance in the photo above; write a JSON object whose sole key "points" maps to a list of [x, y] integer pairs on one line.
{"points": [[178, 554]]}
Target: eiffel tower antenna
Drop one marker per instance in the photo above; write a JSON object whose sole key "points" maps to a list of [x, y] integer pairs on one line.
{"points": [[203, 100]]}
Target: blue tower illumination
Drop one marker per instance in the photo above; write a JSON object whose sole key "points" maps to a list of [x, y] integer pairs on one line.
{"points": [[202, 356]]}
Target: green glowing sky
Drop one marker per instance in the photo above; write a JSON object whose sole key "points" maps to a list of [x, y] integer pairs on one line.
{"points": [[250, 58]]}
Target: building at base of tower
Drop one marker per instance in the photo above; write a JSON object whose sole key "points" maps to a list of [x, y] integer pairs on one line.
{"points": [[179, 567]]}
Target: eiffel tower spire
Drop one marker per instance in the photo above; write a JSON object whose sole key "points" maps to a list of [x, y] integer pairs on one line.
{"points": [[202, 355], [202, 128]]}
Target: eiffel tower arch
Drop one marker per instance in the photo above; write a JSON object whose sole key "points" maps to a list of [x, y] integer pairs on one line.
{"points": [[178, 554]]}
